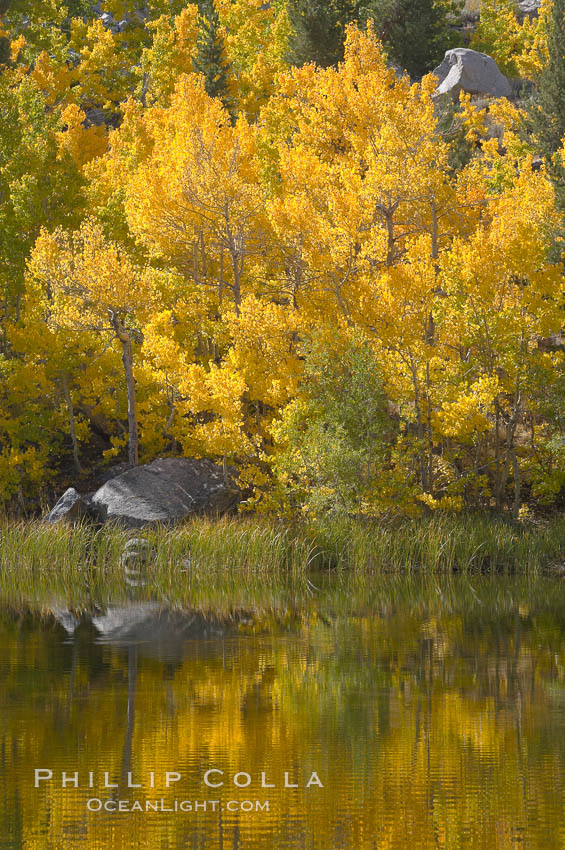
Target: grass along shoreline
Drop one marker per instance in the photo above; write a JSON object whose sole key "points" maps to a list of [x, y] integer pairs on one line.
{"points": [[231, 559]]}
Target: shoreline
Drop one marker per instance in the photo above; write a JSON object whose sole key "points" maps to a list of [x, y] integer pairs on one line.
{"points": [[231, 556]]}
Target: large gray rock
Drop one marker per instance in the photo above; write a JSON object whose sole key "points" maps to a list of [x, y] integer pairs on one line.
{"points": [[474, 73], [97, 117], [70, 507], [528, 9], [166, 490]]}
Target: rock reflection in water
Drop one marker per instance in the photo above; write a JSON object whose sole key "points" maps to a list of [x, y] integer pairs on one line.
{"points": [[149, 629], [432, 722], [151, 624]]}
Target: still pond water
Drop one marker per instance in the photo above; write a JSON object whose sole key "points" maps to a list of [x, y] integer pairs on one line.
{"points": [[424, 715]]}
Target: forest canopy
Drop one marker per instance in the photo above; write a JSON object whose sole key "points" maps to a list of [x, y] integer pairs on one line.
{"points": [[219, 241]]}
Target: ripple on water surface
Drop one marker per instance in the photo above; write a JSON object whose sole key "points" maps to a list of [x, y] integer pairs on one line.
{"points": [[397, 721]]}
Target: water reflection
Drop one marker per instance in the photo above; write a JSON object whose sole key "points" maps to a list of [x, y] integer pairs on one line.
{"points": [[433, 718]]}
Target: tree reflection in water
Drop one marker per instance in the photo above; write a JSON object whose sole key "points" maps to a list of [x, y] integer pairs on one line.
{"points": [[434, 719]]}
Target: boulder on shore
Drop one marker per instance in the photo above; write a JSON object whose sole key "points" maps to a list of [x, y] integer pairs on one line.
{"points": [[528, 9], [165, 491], [475, 73], [70, 507]]}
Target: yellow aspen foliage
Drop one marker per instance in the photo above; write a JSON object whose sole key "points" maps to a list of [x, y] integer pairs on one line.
{"points": [[503, 297], [500, 130], [197, 201], [223, 409], [471, 412], [323, 289], [349, 156], [363, 170], [171, 54], [53, 78], [93, 287], [16, 47], [100, 73], [109, 175], [88, 279], [519, 48], [25, 459], [83, 143], [257, 40], [263, 351]]}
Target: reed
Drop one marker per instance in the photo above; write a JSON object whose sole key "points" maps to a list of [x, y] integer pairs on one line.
{"points": [[235, 559], [445, 544]]}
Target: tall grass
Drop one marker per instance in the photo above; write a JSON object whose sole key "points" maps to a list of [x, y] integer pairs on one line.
{"points": [[225, 561], [231, 560], [463, 544]]}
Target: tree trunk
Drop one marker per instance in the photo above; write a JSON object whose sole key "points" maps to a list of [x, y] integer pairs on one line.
{"points": [[420, 425], [497, 461], [133, 451], [517, 493], [429, 439], [69, 402], [391, 242], [236, 265], [127, 359]]}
